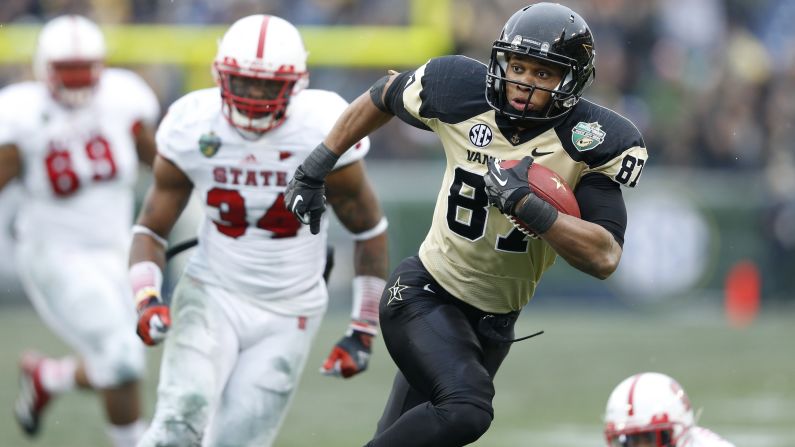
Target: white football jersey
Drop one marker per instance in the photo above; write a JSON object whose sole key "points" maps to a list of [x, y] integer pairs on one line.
{"points": [[79, 165], [249, 243], [703, 437]]}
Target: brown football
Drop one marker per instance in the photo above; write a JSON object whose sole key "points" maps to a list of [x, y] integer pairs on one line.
{"points": [[551, 187]]}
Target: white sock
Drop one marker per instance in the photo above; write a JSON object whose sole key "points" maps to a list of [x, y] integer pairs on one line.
{"points": [[58, 375], [126, 435]]}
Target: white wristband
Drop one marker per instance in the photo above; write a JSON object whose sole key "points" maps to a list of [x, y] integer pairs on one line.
{"points": [[366, 296], [141, 229], [146, 280], [379, 228]]}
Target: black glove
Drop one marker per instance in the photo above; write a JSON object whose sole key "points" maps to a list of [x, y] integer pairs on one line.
{"points": [[509, 191], [305, 195], [505, 187], [306, 199]]}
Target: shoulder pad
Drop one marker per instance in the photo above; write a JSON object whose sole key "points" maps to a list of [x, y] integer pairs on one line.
{"points": [[453, 89], [595, 135]]}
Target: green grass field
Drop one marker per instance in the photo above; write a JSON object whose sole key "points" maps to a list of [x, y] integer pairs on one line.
{"points": [[551, 390]]}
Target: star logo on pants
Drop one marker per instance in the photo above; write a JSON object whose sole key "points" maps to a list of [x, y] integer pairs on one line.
{"points": [[394, 291]]}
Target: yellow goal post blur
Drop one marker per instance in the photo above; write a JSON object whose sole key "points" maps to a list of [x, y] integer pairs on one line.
{"points": [[428, 34]]}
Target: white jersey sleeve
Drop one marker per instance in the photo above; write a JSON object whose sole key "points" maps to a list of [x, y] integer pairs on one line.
{"points": [[140, 100], [177, 136], [14, 125]]}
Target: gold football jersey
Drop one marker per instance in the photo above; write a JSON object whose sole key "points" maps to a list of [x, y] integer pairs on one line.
{"points": [[472, 249]]}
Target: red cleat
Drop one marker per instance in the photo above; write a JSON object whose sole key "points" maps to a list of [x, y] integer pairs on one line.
{"points": [[32, 398]]}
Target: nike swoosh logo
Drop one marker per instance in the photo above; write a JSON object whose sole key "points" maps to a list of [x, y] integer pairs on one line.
{"points": [[499, 180], [298, 199], [536, 153], [427, 288], [302, 217]]}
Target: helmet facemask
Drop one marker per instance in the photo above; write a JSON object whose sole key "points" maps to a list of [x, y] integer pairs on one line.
{"points": [[260, 66], [659, 435], [562, 97], [256, 101], [72, 83]]}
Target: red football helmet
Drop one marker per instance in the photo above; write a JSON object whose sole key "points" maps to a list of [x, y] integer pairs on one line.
{"points": [[260, 65], [70, 55]]}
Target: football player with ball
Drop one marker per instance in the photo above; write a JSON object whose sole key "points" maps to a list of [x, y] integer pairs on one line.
{"points": [[447, 314]]}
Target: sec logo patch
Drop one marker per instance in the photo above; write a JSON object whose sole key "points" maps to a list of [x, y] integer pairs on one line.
{"points": [[480, 135]]}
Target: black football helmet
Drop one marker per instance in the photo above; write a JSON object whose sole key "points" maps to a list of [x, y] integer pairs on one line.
{"points": [[554, 34]]}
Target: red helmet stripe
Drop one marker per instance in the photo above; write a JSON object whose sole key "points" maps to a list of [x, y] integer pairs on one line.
{"points": [[262, 32], [631, 401], [75, 35]]}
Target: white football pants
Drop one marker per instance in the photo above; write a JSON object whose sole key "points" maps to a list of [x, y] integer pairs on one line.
{"points": [[84, 296], [229, 369]]}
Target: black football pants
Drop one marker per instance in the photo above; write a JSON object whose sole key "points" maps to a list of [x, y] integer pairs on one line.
{"points": [[442, 394]]}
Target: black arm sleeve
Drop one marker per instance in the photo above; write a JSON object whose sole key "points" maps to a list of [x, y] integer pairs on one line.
{"points": [[393, 100], [377, 91], [602, 203]]}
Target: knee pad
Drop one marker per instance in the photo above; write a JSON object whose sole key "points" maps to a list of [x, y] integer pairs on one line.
{"points": [[119, 359], [466, 422]]}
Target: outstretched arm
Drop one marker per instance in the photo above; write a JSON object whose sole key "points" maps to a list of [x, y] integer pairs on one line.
{"points": [[305, 192], [354, 203], [361, 118], [164, 202]]}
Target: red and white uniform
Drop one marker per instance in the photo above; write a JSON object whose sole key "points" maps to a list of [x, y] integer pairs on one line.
{"points": [[652, 403], [703, 437], [73, 226], [79, 164], [249, 243], [252, 297]]}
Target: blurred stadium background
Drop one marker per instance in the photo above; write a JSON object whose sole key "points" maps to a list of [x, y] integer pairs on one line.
{"points": [[705, 289]]}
